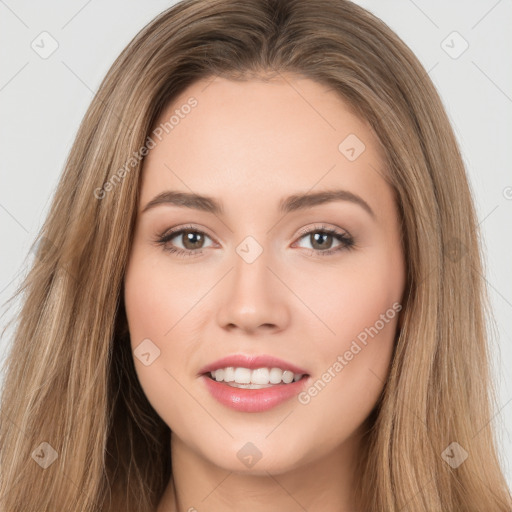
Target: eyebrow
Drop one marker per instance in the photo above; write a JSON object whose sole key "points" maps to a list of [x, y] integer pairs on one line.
{"points": [[289, 204]]}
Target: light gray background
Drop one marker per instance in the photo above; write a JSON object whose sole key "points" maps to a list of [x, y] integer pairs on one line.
{"points": [[42, 102]]}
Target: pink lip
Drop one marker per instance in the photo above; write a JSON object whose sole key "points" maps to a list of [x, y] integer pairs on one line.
{"points": [[252, 362], [253, 400]]}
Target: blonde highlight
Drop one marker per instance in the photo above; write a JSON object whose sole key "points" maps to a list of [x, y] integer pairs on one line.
{"points": [[82, 395]]}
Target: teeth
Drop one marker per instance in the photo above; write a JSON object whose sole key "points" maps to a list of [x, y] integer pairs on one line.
{"points": [[254, 379], [242, 376]]}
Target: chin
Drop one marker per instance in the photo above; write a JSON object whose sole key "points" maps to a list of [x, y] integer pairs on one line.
{"points": [[256, 458]]}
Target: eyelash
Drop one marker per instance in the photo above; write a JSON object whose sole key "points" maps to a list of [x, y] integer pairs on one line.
{"points": [[347, 242]]}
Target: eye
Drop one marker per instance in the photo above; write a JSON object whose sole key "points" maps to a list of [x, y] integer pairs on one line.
{"points": [[321, 239], [191, 237]]}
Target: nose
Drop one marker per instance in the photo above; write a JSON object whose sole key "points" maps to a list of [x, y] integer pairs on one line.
{"points": [[254, 298]]}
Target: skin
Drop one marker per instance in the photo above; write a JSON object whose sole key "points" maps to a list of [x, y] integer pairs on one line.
{"points": [[249, 144]]}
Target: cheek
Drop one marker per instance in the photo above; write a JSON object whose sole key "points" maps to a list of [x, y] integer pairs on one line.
{"points": [[351, 297], [157, 296], [156, 302], [360, 305]]}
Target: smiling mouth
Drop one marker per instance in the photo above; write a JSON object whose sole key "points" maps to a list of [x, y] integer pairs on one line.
{"points": [[253, 390], [258, 385]]}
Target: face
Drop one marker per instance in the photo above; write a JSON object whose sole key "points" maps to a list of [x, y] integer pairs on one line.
{"points": [[316, 283]]}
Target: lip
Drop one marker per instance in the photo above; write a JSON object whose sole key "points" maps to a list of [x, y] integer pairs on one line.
{"points": [[252, 362], [253, 400]]}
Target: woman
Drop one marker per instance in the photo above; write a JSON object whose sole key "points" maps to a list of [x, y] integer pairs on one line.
{"points": [[179, 348]]}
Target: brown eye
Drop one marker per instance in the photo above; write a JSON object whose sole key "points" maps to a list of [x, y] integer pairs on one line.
{"points": [[321, 240], [192, 239]]}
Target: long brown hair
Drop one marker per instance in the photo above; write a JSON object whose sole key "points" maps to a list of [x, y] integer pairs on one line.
{"points": [[70, 380]]}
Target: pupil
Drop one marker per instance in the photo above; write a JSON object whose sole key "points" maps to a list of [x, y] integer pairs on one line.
{"points": [[189, 237], [321, 235]]}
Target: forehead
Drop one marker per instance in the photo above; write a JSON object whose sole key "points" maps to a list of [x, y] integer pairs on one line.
{"points": [[260, 138]]}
